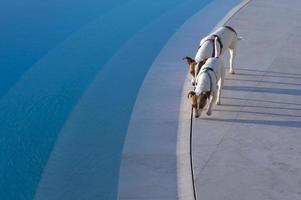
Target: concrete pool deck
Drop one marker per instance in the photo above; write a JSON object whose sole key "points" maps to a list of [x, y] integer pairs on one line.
{"points": [[151, 168], [250, 147]]}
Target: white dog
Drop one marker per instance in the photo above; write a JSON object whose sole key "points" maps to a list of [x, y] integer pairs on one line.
{"points": [[227, 39], [209, 83]]}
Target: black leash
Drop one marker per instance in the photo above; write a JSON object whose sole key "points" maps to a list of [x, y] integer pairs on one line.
{"points": [[191, 135], [190, 142], [191, 157], [190, 153]]}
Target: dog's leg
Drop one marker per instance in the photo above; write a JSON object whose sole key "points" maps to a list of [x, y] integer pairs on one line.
{"points": [[223, 76], [219, 89], [220, 86], [212, 100], [232, 57]]}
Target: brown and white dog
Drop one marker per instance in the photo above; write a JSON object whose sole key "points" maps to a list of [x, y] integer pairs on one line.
{"points": [[209, 83], [227, 39]]}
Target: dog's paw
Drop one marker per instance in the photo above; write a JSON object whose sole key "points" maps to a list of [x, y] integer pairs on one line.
{"points": [[218, 103], [232, 72], [196, 115], [209, 112]]}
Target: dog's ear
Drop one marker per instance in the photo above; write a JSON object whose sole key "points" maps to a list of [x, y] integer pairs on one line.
{"points": [[190, 94], [201, 63], [189, 60]]}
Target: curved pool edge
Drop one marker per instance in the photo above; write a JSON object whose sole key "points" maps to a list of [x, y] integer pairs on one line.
{"points": [[154, 163], [85, 159], [232, 12], [186, 190]]}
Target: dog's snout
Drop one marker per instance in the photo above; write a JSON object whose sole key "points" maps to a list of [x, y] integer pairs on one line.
{"points": [[193, 82]]}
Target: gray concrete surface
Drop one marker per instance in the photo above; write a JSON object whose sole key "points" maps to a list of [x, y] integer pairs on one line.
{"points": [[250, 148], [155, 162]]}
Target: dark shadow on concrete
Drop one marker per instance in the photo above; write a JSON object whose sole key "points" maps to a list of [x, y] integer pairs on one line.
{"points": [[273, 76], [258, 106], [281, 123], [263, 101], [270, 72], [260, 81], [258, 113], [294, 92]]}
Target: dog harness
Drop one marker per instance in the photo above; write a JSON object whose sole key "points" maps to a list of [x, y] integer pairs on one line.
{"points": [[212, 41], [209, 40], [231, 29], [220, 44], [205, 70]]}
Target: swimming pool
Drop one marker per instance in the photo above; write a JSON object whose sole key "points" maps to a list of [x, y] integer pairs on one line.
{"points": [[50, 55]]}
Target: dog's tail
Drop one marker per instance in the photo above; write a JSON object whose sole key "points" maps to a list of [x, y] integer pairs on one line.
{"points": [[215, 47]]}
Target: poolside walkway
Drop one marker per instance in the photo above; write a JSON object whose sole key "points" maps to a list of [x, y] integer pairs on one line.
{"points": [[250, 148], [155, 162]]}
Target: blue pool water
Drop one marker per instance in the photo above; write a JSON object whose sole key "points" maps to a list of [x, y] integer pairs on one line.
{"points": [[50, 52]]}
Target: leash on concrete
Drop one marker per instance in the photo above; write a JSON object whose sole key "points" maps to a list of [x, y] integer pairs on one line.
{"points": [[190, 153], [222, 23]]}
